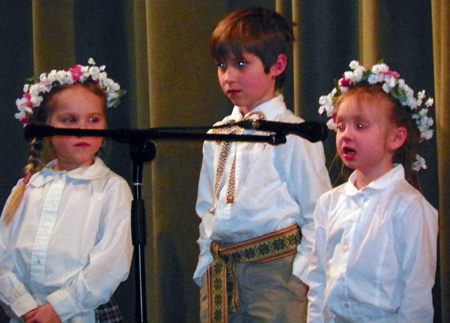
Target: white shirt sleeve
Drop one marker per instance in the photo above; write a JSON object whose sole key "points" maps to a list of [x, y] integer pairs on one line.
{"points": [[309, 181], [14, 296], [204, 200], [416, 243], [317, 269]]}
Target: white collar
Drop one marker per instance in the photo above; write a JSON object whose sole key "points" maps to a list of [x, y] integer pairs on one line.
{"points": [[270, 109], [387, 180], [91, 172]]}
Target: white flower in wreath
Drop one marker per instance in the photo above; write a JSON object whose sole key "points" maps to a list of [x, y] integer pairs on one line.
{"points": [[419, 163], [33, 94]]}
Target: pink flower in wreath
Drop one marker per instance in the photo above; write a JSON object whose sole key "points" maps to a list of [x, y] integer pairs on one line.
{"points": [[76, 72], [392, 73], [27, 96], [345, 82]]}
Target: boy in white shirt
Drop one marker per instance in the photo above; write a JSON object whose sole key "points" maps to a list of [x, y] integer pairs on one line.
{"points": [[256, 201]]}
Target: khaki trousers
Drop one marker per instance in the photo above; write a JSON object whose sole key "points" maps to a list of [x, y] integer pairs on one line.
{"points": [[268, 292]]}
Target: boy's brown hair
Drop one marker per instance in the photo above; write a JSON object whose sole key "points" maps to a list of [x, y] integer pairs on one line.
{"points": [[258, 31]]}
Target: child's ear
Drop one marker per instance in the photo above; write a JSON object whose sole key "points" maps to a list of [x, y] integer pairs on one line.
{"points": [[279, 66], [399, 137]]}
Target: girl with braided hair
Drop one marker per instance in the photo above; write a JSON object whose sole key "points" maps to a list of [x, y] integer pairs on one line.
{"points": [[65, 233]]}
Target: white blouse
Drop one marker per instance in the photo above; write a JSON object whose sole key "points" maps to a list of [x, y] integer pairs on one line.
{"points": [[68, 245], [276, 186], [374, 258]]}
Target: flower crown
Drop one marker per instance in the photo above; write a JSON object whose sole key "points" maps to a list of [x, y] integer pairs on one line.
{"points": [[391, 84], [34, 93]]}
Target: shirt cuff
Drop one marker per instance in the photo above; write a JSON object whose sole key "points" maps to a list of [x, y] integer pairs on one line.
{"points": [[301, 268], [63, 304], [15, 296], [24, 304], [200, 271]]}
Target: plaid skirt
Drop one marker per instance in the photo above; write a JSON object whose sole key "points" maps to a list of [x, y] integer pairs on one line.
{"points": [[108, 313]]}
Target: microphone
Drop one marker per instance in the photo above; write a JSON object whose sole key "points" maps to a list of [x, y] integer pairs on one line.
{"points": [[313, 131]]}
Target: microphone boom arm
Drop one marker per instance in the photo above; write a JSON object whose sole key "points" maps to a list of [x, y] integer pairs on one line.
{"points": [[152, 134]]}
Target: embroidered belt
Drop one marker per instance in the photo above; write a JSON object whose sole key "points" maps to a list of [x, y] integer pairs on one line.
{"points": [[223, 297]]}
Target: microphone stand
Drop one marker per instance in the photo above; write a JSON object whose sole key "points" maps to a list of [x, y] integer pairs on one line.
{"points": [[142, 149]]}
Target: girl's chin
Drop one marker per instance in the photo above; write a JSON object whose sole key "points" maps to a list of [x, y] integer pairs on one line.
{"points": [[349, 163]]}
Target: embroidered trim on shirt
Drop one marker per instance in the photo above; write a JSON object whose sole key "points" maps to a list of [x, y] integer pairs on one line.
{"points": [[224, 151]]}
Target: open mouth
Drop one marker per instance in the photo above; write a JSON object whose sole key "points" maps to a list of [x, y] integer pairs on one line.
{"points": [[348, 151]]}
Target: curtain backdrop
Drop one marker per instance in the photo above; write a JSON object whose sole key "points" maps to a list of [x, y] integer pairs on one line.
{"points": [[441, 45], [158, 51]]}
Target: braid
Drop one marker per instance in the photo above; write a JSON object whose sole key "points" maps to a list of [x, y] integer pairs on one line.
{"points": [[29, 170]]}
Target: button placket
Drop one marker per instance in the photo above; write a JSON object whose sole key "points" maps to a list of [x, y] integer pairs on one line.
{"points": [[45, 227]]}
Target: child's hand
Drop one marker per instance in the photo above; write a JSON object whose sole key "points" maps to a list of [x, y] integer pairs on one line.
{"points": [[43, 314], [29, 315]]}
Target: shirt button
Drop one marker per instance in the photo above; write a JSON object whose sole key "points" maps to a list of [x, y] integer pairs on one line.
{"points": [[342, 276], [38, 261], [346, 305]]}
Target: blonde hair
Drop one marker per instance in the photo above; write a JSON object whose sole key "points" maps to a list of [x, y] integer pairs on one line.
{"points": [[30, 169], [40, 116]]}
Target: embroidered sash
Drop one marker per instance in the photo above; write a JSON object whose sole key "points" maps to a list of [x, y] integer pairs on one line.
{"points": [[223, 296]]}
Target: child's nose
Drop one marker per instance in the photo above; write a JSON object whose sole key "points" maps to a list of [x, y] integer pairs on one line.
{"points": [[346, 133], [82, 125], [229, 75], [86, 125]]}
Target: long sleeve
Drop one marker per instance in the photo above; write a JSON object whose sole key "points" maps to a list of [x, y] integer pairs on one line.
{"points": [[317, 270], [204, 203], [416, 245], [308, 182], [14, 296]]}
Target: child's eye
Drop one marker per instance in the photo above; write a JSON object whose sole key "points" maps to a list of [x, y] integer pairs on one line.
{"points": [[241, 64], [360, 126], [221, 65], [94, 120], [69, 120], [340, 128]]}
